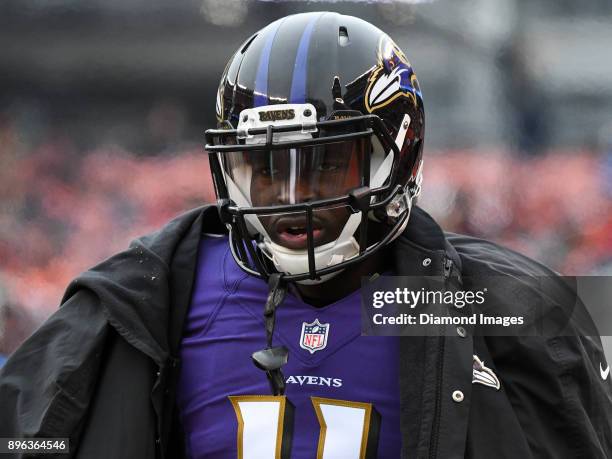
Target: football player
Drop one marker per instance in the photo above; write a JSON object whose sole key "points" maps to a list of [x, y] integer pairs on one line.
{"points": [[235, 331]]}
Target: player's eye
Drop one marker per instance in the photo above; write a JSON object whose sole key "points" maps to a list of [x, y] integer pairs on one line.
{"points": [[268, 172], [327, 167]]}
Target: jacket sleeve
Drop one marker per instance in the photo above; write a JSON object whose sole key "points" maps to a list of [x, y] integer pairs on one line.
{"points": [[46, 384], [559, 398]]}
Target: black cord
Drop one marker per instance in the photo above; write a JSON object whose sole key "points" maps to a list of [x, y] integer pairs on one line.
{"points": [[271, 359]]}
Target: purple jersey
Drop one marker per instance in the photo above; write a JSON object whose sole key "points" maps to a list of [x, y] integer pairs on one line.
{"points": [[342, 388]]}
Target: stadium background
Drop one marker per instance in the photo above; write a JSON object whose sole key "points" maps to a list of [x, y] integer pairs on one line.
{"points": [[103, 105]]}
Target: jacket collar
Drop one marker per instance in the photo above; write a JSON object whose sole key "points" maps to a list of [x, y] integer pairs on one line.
{"points": [[423, 249]]}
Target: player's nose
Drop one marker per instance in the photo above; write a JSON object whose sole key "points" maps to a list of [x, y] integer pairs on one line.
{"points": [[296, 194]]}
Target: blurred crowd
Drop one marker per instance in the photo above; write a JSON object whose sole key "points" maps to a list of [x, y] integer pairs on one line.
{"points": [[555, 208], [63, 209]]}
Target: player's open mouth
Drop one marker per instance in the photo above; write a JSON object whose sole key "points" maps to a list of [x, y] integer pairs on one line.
{"points": [[291, 232]]}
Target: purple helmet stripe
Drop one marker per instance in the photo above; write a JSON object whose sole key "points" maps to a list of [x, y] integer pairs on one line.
{"points": [[260, 96], [298, 84]]}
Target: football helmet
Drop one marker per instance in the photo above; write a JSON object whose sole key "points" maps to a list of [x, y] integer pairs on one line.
{"points": [[320, 132]]}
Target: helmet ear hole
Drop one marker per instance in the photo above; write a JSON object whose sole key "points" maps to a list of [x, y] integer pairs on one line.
{"points": [[343, 36]]}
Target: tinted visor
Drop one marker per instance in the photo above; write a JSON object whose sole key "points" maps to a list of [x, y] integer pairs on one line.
{"points": [[296, 175]]}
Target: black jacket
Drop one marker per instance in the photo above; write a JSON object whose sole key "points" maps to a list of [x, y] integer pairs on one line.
{"points": [[103, 369]]}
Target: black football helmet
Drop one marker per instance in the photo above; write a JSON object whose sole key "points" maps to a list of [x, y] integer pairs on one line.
{"points": [[320, 132]]}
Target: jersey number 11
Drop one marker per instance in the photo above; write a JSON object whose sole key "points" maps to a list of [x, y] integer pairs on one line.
{"points": [[348, 430]]}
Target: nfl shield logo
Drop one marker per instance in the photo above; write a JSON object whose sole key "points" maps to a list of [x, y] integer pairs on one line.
{"points": [[314, 336]]}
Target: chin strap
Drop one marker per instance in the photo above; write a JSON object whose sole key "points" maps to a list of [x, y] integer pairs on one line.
{"points": [[271, 359]]}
